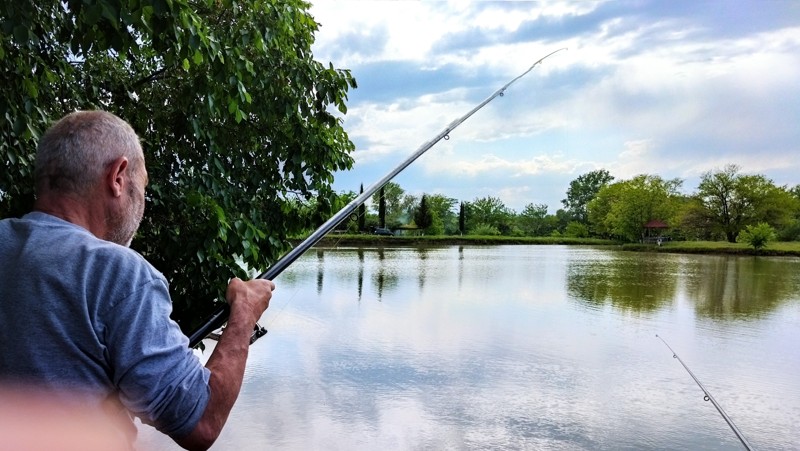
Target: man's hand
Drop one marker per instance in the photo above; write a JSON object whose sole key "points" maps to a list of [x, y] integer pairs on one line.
{"points": [[253, 295]]}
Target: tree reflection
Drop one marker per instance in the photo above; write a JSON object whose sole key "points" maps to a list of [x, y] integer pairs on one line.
{"points": [[723, 286], [320, 269], [422, 255], [637, 283], [383, 277], [360, 272], [719, 286]]}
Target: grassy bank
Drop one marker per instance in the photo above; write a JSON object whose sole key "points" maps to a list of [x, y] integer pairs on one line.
{"points": [[442, 240], [791, 248], [685, 247]]}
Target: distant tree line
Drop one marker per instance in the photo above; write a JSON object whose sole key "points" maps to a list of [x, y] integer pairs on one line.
{"points": [[726, 205]]}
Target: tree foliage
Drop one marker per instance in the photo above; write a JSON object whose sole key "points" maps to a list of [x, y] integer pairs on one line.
{"points": [[462, 218], [362, 214], [582, 190], [623, 208], [442, 208], [397, 206], [728, 201], [576, 229], [234, 113], [533, 221], [757, 235], [489, 211], [423, 216]]}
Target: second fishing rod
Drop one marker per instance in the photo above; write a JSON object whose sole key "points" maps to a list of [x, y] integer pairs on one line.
{"points": [[220, 315]]}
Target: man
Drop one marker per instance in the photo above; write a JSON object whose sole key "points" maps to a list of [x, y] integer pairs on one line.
{"points": [[84, 318]]}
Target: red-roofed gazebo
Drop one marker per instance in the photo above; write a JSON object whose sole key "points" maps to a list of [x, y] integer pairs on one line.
{"points": [[653, 230], [656, 224]]}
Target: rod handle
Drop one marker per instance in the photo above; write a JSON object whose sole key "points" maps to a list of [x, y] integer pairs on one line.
{"points": [[210, 324]]}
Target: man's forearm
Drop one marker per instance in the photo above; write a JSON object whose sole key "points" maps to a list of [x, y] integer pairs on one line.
{"points": [[227, 364]]}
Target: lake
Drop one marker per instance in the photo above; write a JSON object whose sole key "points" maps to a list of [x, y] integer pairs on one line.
{"points": [[523, 348]]}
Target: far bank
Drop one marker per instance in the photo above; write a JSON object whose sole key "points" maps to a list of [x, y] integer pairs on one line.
{"points": [[783, 249]]}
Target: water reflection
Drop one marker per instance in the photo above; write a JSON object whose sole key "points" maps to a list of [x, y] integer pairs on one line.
{"points": [[493, 347], [634, 282], [719, 286], [422, 271], [320, 269], [360, 254], [729, 286]]}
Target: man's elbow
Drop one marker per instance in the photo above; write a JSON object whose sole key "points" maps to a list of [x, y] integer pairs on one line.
{"points": [[200, 439]]}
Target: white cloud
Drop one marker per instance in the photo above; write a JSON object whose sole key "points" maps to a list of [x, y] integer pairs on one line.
{"points": [[644, 88]]}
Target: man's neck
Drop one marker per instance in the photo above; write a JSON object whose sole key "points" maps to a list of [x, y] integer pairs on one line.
{"points": [[72, 209]]}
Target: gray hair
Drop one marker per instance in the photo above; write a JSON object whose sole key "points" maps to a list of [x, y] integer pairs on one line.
{"points": [[75, 151]]}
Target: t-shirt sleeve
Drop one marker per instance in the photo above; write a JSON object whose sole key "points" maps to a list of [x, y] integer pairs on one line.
{"points": [[158, 377]]}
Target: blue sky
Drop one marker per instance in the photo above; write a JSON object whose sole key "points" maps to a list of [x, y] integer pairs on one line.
{"points": [[673, 88]]}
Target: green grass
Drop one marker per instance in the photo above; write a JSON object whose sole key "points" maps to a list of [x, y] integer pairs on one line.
{"points": [[687, 247], [718, 247], [445, 240]]}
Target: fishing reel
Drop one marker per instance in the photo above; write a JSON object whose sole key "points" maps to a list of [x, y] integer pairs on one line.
{"points": [[258, 332]]}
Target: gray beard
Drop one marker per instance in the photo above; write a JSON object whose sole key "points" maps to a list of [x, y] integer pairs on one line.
{"points": [[123, 227]]}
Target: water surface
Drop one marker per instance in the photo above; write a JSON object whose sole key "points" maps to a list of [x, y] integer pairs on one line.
{"points": [[521, 347]]}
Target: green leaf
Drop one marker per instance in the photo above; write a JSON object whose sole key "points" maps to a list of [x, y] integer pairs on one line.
{"points": [[92, 14], [21, 34]]}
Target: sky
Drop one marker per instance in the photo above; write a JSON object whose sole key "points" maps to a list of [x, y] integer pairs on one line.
{"points": [[670, 88]]}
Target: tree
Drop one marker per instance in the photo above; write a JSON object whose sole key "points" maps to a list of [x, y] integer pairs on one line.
{"points": [[533, 220], [757, 236], [623, 208], [576, 229], [559, 221], [728, 201], [442, 208], [382, 208], [791, 230], [462, 218], [489, 211], [599, 209], [234, 113], [396, 205], [423, 216], [362, 214], [582, 190]]}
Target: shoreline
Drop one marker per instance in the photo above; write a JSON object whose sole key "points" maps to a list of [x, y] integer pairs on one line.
{"points": [[775, 249]]}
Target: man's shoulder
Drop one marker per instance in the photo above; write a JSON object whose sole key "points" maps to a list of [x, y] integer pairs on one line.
{"points": [[56, 239]]}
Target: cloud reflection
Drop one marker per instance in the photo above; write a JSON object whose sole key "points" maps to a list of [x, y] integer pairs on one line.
{"points": [[492, 347]]}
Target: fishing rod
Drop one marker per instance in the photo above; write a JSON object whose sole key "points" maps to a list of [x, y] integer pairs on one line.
{"points": [[708, 397], [220, 316]]}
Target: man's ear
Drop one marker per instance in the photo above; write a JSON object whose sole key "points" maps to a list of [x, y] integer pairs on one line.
{"points": [[116, 176]]}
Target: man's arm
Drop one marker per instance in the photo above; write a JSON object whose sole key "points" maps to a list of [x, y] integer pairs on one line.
{"points": [[248, 300]]}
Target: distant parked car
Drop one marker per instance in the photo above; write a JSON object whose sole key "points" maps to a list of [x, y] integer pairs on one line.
{"points": [[382, 231]]}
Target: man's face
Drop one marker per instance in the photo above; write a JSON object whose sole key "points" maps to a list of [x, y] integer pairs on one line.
{"points": [[126, 222]]}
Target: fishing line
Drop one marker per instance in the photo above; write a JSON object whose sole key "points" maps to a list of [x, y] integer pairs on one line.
{"points": [[708, 397]]}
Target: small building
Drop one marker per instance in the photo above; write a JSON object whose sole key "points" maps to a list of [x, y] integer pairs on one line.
{"points": [[654, 232]]}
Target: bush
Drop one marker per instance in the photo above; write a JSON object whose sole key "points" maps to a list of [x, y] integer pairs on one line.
{"points": [[485, 230], [791, 232], [757, 236], [577, 230]]}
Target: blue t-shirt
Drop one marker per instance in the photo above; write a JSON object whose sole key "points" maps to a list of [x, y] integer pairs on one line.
{"points": [[84, 315]]}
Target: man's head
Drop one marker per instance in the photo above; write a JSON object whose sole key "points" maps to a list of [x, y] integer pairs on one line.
{"points": [[94, 157]]}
